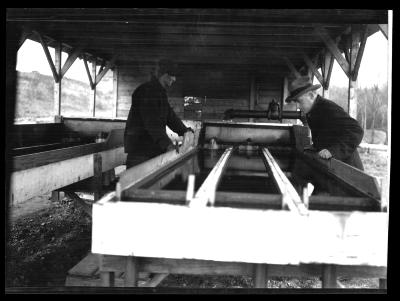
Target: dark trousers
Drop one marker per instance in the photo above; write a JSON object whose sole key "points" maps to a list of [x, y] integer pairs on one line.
{"points": [[134, 159]]}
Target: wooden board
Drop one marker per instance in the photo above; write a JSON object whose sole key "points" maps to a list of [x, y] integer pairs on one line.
{"points": [[350, 238], [209, 267], [25, 184]]}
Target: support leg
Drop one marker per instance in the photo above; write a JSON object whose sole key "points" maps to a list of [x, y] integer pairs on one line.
{"points": [[55, 196], [382, 283], [97, 174], [131, 272], [329, 276], [260, 276], [107, 279]]}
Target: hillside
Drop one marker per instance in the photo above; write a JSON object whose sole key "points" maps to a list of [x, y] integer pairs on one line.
{"points": [[35, 96]]}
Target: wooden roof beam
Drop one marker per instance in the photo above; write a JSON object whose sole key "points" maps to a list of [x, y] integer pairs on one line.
{"points": [[384, 29], [292, 68], [313, 68], [107, 67], [70, 60], [48, 56], [334, 49]]}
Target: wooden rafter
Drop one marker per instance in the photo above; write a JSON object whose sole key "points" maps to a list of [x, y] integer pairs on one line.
{"points": [[25, 34], [384, 29], [291, 67], [107, 67], [333, 48], [290, 198], [88, 72], [327, 66], [313, 68], [360, 53], [48, 56], [70, 60]]}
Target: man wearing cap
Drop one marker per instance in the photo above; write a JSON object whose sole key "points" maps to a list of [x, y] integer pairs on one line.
{"points": [[334, 133], [145, 134]]}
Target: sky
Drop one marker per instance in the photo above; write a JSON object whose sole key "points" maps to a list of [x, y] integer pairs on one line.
{"points": [[373, 69]]}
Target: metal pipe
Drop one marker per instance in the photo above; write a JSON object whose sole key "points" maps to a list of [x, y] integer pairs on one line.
{"points": [[229, 114]]}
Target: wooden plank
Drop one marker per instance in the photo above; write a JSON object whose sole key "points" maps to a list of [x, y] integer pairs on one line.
{"points": [[70, 60], [347, 238], [249, 200], [290, 197], [155, 280], [47, 157], [313, 69], [25, 184], [320, 202], [206, 193], [87, 267], [208, 267], [107, 279], [347, 174], [141, 173], [48, 56], [333, 48]]}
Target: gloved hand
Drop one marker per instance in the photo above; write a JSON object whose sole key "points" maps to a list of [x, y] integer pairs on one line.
{"points": [[188, 140]]}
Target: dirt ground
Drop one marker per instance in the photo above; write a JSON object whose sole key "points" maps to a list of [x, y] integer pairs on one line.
{"points": [[46, 239]]}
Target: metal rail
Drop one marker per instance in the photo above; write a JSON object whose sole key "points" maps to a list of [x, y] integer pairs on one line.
{"points": [[206, 193], [290, 196]]}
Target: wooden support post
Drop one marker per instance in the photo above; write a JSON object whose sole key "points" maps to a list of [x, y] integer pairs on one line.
{"points": [[55, 196], [97, 174], [382, 283], [57, 85], [352, 101], [329, 277], [252, 95], [115, 91], [131, 272], [93, 91], [107, 278], [260, 275]]}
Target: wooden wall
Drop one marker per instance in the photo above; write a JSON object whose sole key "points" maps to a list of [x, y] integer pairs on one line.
{"points": [[218, 89]]}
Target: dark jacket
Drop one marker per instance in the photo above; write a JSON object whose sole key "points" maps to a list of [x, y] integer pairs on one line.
{"points": [[333, 129], [145, 132]]}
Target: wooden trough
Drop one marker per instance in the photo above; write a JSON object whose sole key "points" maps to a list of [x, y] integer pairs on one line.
{"points": [[142, 227]]}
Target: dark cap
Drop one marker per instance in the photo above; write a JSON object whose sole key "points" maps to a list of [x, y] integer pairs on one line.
{"points": [[167, 66]]}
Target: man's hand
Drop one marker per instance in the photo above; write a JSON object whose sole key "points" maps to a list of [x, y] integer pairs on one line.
{"points": [[325, 154], [172, 147], [188, 139]]}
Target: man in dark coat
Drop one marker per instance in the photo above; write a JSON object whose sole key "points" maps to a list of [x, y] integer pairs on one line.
{"points": [[145, 134], [334, 133]]}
